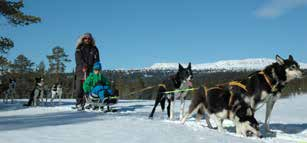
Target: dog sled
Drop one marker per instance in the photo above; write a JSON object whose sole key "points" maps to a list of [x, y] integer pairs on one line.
{"points": [[93, 102], [107, 105]]}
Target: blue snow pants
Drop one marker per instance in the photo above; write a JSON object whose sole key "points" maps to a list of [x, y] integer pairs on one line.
{"points": [[100, 91]]}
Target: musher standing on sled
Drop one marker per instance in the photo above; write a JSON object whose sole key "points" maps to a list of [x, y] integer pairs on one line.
{"points": [[86, 55], [96, 84]]}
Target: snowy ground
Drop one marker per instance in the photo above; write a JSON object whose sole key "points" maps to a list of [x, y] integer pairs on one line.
{"points": [[57, 124]]}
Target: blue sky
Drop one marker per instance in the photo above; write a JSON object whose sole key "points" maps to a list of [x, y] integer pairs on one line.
{"points": [[138, 33]]}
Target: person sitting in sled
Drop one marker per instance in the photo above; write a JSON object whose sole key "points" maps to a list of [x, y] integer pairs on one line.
{"points": [[96, 84]]}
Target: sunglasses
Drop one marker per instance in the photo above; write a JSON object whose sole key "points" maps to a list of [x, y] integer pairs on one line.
{"points": [[87, 38]]}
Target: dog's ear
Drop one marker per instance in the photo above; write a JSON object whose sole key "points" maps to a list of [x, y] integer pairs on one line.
{"points": [[181, 67], [290, 58], [189, 66], [249, 112], [280, 60]]}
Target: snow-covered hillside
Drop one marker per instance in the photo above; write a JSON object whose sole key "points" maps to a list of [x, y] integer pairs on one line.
{"points": [[244, 64], [130, 124]]}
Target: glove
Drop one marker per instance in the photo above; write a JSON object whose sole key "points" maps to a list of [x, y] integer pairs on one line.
{"points": [[84, 69]]}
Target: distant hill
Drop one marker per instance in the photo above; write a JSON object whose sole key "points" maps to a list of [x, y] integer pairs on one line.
{"points": [[232, 65]]}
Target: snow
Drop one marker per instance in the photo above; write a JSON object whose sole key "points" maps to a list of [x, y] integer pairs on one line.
{"points": [[235, 65], [130, 124]]}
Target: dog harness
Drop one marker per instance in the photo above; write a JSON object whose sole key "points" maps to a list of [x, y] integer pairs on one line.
{"points": [[162, 85], [232, 83], [230, 103], [273, 87], [239, 84]]}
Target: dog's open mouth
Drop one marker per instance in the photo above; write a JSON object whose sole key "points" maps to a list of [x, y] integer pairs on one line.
{"points": [[189, 83]]}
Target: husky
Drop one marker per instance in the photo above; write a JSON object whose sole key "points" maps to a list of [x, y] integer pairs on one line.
{"points": [[56, 92], [265, 86], [37, 93], [222, 102], [181, 80], [10, 92]]}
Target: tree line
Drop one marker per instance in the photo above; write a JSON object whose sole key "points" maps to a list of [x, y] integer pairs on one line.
{"points": [[141, 84]]}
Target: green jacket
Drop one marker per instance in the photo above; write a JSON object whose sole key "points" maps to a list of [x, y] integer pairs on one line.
{"points": [[92, 80]]}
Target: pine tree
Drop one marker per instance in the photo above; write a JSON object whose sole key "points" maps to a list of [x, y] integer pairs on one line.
{"points": [[4, 63], [5, 45], [10, 10], [57, 61], [22, 64]]}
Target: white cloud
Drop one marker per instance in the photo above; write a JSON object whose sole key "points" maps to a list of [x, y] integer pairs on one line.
{"points": [[275, 8]]}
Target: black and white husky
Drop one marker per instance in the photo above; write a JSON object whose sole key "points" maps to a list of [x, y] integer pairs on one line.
{"points": [[56, 92], [265, 86], [182, 80], [37, 93], [10, 93], [222, 102]]}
